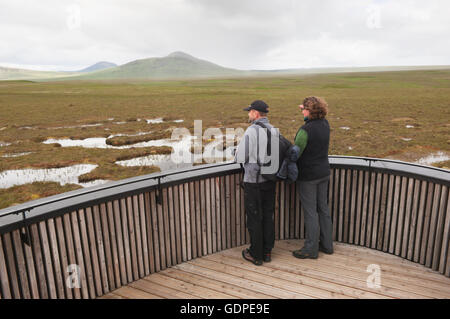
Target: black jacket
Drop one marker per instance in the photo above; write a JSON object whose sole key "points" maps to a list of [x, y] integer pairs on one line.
{"points": [[313, 163]]}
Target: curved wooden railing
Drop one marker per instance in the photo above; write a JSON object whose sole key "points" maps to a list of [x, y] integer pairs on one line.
{"points": [[120, 232]]}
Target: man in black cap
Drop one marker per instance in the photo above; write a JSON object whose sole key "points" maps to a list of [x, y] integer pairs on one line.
{"points": [[259, 193]]}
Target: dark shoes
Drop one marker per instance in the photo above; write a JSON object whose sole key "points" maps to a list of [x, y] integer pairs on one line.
{"points": [[267, 258], [247, 256], [326, 251], [303, 255]]}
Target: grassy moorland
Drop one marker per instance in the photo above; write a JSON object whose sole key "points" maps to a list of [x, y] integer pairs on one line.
{"points": [[371, 114]]}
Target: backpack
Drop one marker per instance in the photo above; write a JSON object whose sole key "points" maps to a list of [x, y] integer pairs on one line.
{"points": [[284, 145]]}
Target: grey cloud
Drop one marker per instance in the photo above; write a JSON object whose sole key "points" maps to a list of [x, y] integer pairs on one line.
{"points": [[241, 34]]}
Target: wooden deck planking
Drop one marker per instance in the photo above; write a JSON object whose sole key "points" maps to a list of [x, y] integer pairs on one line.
{"points": [[341, 275]]}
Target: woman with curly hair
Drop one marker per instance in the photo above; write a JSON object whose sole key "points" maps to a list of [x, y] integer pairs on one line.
{"points": [[313, 139]]}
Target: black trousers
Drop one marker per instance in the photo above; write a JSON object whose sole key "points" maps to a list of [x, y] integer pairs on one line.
{"points": [[259, 202]]}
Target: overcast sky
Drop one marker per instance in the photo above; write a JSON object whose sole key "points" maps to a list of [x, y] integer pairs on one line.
{"points": [[244, 34]]}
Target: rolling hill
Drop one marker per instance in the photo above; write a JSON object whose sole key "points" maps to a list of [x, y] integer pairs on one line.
{"points": [[180, 65], [98, 66], [175, 65]]}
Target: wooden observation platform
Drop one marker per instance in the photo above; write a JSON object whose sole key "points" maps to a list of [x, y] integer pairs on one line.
{"points": [[180, 234]]}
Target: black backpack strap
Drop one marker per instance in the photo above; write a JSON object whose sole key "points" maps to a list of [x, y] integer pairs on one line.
{"points": [[269, 136]]}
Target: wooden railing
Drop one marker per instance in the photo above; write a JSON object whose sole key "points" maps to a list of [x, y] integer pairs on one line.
{"points": [[88, 242]]}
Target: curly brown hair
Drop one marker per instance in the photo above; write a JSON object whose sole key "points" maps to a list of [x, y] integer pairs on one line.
{"points": [[317, 107]]}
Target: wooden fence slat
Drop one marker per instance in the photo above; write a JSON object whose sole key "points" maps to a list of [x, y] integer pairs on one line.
{"points": [[217, 190], [370, 209], [11, 264], [144, 232], [149, 209], [292, 211], [79, 254], [359, 206], [282, 211], [438, 240], [413, 224], [20, 263], [335, 208], [444, 258], [239, 232], [193, 212], [94, 251], [341, 211], [353, 210], [426, 225], [212, 187], [187, 209], [383, 184], [70, 250], [162, 231], [330, 204], [4, 283], [167, 228], [232, 201], [115, 282], [287, 210], [120, 243], [132, 235], [207, 195], [48, 261], [28, 251], [100, 237], [401, 217], [88, 264], [172, 230], [347, 206], [138, 234], [389, 213], [376, 211], [64, 257], [126, 239], [277, 210], [433, 222], [420, 221], [365, 208], [59, 276], [176, 208], [407, 218], [227, 210], [298, 222], [182, 212], [198, 219], [395, 204], [285, 203], [156, 224]]}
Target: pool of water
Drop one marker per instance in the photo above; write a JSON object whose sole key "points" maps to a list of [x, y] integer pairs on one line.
{"points": [[433, 158], [63, 175]]}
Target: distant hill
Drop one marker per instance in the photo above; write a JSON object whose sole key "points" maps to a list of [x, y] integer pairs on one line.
{"points": [[175, 65], [98, 66], [180, 65]]}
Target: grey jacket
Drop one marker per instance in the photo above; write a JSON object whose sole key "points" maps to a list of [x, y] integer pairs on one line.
{"points": [[251, 150]]}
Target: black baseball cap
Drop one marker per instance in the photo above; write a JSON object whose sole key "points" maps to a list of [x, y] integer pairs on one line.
{"points": [[258, 105]]}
